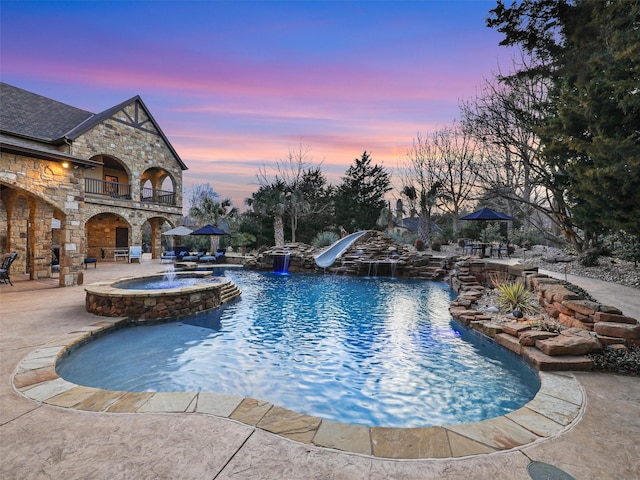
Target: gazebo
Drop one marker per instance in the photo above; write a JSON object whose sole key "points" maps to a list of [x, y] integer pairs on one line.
{"points": [[488, 214]]}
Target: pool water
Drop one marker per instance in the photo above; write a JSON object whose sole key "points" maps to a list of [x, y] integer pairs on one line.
{"points": [[162, 283], [375, 352]]}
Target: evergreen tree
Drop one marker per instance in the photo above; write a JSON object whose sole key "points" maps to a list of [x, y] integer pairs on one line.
{"points": [[359, 198], [596, 122], [318, 196], [589, 50]]}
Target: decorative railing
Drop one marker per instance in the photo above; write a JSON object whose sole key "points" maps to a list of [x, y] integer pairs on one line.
{"points": [[123, 191], [108, 189], [158, 196]]}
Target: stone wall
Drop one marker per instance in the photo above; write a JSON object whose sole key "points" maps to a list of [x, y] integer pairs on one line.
{"points": [[131, 137], [588, 324], [42, 190], [158, 305], [373, 254]]}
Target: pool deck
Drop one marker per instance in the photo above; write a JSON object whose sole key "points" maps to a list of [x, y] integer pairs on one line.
{"points": [[587, 424]]}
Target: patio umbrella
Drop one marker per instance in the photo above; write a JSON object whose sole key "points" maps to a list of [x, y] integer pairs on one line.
{"points": [[178, 231], [213, 232]]}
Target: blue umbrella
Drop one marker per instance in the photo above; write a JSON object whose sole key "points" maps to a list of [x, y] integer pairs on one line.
{"points": [[208, 230], [486, 214]]}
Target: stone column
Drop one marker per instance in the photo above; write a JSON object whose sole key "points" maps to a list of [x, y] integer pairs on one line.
{"points": [[72, 245], [156, 236], [40, 239], [18, 215]]}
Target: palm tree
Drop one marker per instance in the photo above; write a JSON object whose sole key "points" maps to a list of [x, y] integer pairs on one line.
{"points": [[206, 208], [386, 219], [270, 200]]}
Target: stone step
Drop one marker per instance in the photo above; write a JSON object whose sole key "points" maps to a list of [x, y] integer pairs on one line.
{"points": [[530, 337], [544, 362], [514, 328], [579, 343], [619, 330], [610, 317]]}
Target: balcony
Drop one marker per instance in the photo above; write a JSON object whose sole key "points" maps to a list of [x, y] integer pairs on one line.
{"points": [[122, 191], [107, 189], [158, 196]]}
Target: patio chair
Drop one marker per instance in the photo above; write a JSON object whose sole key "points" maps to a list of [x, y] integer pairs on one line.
{"points": [[7, 260], [55, 260]]}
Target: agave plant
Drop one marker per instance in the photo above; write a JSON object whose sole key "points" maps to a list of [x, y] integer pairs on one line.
{"points": [[515, 296]]}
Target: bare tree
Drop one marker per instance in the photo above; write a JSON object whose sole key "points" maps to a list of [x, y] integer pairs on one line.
{"points": [[504, 117], [458, 156], [290, 173], [421, 184]]}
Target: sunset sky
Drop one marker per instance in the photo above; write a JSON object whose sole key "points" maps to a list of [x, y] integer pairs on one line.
{"points": [[235, 85]]}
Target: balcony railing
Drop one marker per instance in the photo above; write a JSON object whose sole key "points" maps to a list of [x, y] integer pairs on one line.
{"points": [[158, 196], [108, 189], [123, 191]]}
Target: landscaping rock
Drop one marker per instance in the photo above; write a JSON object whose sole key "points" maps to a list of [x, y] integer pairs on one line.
{"points": [[619, 330], [514, 328], [530, 337], [545, 362], [573, 341], [585, 307], [610, 317], [509, 342]]}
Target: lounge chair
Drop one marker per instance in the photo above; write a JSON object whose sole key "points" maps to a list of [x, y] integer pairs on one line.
{"points": [[216, 257], [7, 260], [194, 258], [169, 256]]}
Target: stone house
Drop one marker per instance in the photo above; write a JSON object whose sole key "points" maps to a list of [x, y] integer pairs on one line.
{"points": [[81, 184]]}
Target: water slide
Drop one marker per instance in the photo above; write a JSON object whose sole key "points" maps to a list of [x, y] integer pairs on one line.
{"points": [[327, 257]]}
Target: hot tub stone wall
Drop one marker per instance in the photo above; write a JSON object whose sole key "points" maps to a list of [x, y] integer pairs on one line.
{"points": [[158, 305]]}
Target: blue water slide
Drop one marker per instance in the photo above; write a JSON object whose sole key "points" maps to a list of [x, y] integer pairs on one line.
{"points": [[328, 256]]}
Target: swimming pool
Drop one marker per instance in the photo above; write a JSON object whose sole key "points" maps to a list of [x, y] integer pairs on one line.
{"points": [[375, 352]]}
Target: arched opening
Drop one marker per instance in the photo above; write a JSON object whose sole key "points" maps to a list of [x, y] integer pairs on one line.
{"points": [[32, 228], [157, 186], [108, 237], [111, 180]]}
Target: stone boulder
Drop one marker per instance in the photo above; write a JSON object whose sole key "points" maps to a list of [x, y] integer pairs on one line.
{"points": [[618, 330], [573, 341], [529, 338]]}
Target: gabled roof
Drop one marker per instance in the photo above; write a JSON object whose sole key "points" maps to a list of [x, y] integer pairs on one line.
{"points": [[28, 115]]}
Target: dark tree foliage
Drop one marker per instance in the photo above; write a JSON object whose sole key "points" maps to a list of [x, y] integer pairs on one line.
{"points": [[360, 197], [268, 207], [318, 195], [597, 120], [590, 50]]}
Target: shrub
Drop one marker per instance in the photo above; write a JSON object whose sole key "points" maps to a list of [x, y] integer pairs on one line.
{"points": [[589, 258], [419, 244], [436, 246], [324, 239], [626, 246], [515, 296]]}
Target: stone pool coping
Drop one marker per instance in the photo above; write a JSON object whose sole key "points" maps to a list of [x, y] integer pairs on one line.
{"points": [[556, 407]]}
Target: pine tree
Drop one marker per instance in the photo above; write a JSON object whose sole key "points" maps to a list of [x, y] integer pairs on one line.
{"points": [[360, 197]]}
